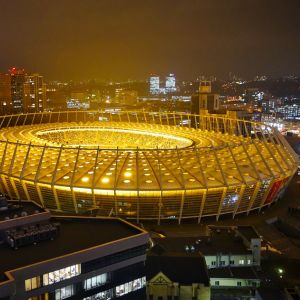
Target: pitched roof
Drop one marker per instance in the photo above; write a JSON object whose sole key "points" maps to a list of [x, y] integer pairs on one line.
{"points": [[184, 269]]}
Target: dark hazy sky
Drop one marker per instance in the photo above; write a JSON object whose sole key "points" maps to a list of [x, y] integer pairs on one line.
{"points": [[120, 39]]}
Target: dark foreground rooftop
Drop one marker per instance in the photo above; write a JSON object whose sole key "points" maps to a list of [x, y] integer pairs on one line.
{"points": [[75, 234], [248, 232], [185, 269], [220, 241]]}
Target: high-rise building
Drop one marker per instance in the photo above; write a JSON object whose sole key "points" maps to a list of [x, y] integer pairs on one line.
{"points": [[17, 79], [5, 94], [170, 83], [34, 93], [289, 111], [154, 85]]}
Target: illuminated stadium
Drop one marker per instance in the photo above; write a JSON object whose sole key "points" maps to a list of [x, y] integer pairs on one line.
{"points": [[143, 165]]}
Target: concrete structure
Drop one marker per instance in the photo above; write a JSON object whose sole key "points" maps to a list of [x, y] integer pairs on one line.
{"points": [[207, 99], [228, 247], [230, 260], [234, 277], [86, 258], [143, 165], [220, 246], [234, 283]]}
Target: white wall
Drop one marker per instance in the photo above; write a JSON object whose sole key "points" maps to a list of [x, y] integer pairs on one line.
{"points": [[233, 282], [247, 258]]}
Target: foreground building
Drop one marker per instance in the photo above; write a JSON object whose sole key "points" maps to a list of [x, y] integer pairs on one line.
{"points": [[219, 261], [176, 276], [221, 247], [55, 258], [143, 165]]}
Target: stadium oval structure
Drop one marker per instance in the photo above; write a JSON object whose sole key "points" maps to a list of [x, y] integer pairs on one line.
{"points": [[143, 165]]}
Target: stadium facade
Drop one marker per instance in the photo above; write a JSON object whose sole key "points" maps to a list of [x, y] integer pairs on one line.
{"points": [[143, 165]]}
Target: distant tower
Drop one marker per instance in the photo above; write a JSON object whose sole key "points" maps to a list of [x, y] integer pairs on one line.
{"points": [[154, 85], [207, 100], [17, 79], [5, 94], [204, 101], [170, 83], [34, 93]]}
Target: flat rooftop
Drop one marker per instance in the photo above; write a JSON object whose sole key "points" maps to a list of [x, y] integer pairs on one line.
{"points": [[248, 232], [75, 234], [222, 241]]}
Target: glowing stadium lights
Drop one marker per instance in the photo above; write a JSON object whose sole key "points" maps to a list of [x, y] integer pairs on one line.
{"points": [[105, 180], [121, 159], [85, 179]]}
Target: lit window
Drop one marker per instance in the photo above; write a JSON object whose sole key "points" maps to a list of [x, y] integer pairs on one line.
{"points": [[61, 274], [102, 295], [64, 292], [131, 286], [32, 283], [241, 261], [95, 281], [119, 290]]}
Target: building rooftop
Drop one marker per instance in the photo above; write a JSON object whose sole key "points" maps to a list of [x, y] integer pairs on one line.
{"points": [[248, 232], [189, 268], [219, 241], [75, 234]]}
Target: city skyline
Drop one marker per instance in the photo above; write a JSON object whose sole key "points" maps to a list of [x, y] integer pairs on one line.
{"points": [[128, 39]]}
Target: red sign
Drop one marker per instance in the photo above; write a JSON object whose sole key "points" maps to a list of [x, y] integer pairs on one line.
{"points": [[273, 191]]}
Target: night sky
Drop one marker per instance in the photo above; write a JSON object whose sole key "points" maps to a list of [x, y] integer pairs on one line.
{"points": [[121, 39]]}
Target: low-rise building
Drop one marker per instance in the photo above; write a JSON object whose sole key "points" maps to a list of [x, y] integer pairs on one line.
{"points": [[234, 277], [221, 246], [174, 276]]}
